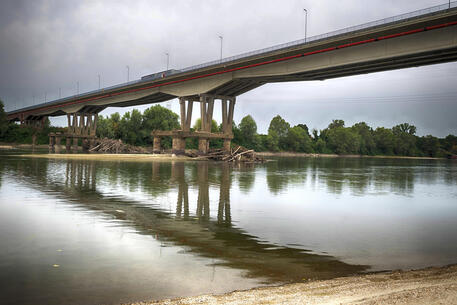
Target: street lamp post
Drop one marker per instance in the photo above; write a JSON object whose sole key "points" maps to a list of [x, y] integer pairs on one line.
{"points": [[60, 92], [77, 88], [168, 60], [306, 22], [222, 39], [99, 83], [128, 73]]}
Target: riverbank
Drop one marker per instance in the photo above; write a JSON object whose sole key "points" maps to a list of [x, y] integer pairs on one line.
{"points": [[295, 154], [425, 286]]}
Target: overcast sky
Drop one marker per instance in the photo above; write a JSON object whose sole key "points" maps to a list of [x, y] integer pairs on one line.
{"points": [[48, 44]]}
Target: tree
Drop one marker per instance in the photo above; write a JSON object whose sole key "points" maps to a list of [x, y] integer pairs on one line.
{"points": [[384, 140], [404, 127], [248, 131], [430, 145], [305, 128], [367, 143], [298, 140], [405, 141], [130, 128], [277, 133], [315, 134], [198, 125], [159, 118], [3, 121], [343, 140], [336, 124], [450, 143]]}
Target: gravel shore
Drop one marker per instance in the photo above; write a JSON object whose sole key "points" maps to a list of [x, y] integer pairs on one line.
{"points": [[426, 286]]}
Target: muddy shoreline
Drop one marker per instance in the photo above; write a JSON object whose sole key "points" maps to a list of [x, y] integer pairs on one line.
{"points": [[435, 285]]}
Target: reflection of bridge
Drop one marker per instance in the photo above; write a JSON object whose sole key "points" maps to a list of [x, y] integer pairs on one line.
{"points": [[197, 231], [419, 38]]}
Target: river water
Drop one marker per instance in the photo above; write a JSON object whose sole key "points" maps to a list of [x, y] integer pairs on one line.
{"points": [[102, 232]]}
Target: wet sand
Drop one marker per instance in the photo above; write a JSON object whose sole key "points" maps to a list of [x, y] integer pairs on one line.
{"points": [[425, 286]]}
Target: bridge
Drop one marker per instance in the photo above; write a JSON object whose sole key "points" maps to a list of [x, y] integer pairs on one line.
{"points": [[423, 37]]}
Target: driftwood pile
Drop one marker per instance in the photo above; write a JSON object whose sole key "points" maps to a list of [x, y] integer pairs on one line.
{"points": [[237, 154], [110, 146]]}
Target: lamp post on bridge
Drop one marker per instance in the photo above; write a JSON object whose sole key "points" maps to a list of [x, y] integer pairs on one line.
{"points": [[168, 60], [222, 39], [60, 92], [99, 83], [128, 73], [77, 88], [306, 22]]}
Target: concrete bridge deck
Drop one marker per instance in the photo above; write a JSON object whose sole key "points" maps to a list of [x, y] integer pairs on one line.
{"points": [[419, 38]]}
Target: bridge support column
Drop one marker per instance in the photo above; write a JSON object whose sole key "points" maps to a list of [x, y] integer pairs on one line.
{"points": [[227, 120], [68, 144], [206, 116], [156, 149], [75, 145], [82, 126], [179, 142]]}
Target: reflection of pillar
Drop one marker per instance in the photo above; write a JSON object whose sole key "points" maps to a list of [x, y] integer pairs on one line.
{"points": [[177, 175], [34, 140], [203, 191], [224, 197], [57, 143], [155, 170]]}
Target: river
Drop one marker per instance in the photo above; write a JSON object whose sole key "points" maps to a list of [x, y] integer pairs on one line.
{"points": [[107, 232]]}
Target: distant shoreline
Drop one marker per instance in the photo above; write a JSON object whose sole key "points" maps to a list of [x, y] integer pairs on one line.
{"points": [[295, 154], [11, 146]]}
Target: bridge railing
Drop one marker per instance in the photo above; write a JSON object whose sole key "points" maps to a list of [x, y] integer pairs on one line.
{"points": [[391, 20], [364, 26]]}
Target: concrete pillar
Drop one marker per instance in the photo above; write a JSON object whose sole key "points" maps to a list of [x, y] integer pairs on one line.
{"points": [[227, 145], [85, 145], [91, 143], [75, 145], [156, 149], [68, 145], [178, 145], [203, 146]]}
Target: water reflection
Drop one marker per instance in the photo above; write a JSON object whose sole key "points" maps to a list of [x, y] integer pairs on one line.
{"points": [[197, 232], [358, 175], [279, 222]]}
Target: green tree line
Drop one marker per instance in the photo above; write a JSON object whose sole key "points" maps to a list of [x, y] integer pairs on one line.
{"points": [[135, 128]]}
